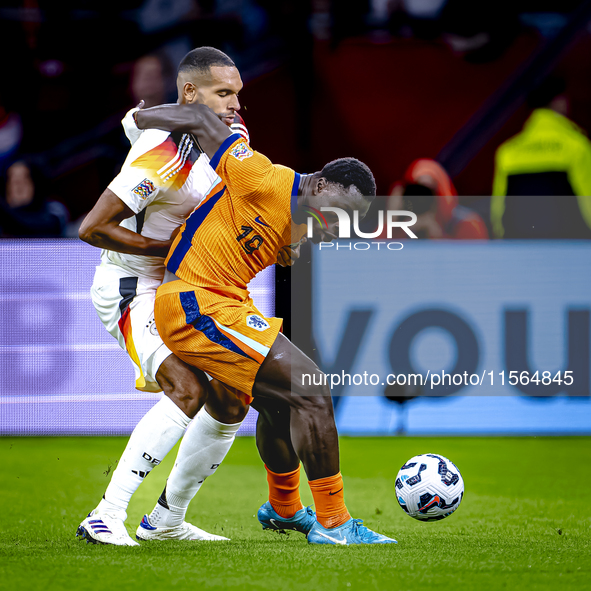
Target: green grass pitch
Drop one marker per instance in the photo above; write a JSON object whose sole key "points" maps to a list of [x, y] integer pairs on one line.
{"points": [[524, 523]]}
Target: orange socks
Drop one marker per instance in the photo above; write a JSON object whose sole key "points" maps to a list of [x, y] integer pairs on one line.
{"points": [[284, 496], [284, 492], [330, 501]]}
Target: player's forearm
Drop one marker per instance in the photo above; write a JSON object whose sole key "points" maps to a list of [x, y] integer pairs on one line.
{"points": [[196, 119], [119, 239], [184, 118]]}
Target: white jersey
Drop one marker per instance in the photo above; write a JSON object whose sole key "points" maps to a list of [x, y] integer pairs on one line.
{"points": [[164, 178]]}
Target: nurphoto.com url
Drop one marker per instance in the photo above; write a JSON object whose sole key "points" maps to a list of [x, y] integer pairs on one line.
{"points": [[432, 380]]}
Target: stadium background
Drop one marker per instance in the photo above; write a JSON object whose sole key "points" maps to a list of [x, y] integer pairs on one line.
{"points": [[382, 81]]}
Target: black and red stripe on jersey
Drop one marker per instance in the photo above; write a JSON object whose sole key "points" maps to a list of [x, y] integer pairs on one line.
{"points": [[239, 127]]}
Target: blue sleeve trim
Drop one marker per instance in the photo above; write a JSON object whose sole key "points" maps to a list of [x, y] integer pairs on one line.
{"points": [[192, 225], [225, 145], [294, 193]]}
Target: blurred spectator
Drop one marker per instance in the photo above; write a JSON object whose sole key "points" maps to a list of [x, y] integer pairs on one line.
{"points": [[424, 17], [25, 211], [428, 191], [155, 15], [539, 167], [483, 30], [11, 133], [151, 80]]}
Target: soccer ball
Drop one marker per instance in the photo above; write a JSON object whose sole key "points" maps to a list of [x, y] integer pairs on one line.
{"points": [[429, 487]]}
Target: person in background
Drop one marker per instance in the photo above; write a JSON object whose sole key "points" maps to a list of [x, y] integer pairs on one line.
{"points": [[427, 189], [152, 80], [546, 169], [25, 210], [11, 135]]}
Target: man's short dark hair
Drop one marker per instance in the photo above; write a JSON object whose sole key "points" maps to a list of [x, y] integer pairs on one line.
{"points": [[350, 171], [202, 59]]}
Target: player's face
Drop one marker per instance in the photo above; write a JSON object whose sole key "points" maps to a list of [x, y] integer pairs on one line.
{"points": [[333, 195], [219, 91]]}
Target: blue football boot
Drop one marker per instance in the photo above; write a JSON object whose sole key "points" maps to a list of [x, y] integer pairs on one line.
{"points": [[302, 521], [351, 532]]}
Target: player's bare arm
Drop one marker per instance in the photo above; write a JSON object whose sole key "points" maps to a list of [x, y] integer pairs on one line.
{"points": [[195, 118], [101, 228]]}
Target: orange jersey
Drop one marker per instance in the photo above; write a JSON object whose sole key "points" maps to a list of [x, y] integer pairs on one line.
{"points": [[240, 226]]}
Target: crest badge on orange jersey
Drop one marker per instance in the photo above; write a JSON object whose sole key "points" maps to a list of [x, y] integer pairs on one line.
{"points": [[256, 322], [241, 151], [144, 189]]}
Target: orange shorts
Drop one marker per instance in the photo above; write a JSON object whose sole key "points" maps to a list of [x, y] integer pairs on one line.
{"points": [[227, 338]]}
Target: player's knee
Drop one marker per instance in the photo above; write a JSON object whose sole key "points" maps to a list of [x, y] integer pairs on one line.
{"points": [[225, 405], [183, 386], [189, 400], [186, 387], [317, 403], [230, 415]]}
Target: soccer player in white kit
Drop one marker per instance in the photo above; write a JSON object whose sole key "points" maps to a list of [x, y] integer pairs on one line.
{"points": [[164, 177]]}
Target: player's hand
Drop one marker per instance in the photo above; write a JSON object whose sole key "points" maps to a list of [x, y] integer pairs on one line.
{"points": [[288, 255]]}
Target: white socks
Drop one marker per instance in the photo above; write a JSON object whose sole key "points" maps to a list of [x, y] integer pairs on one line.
{"points": [[154, 436], [202, 450], [205, 444]]}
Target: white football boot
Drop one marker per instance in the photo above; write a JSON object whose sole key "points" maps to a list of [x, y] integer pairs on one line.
{"points": [[102, 528], [186, 531]]}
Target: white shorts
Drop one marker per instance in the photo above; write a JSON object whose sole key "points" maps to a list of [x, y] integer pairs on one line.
{"points": [[125, 306]]}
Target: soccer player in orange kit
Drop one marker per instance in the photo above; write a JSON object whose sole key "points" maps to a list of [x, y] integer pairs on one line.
{"points": [[206, 317]]}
